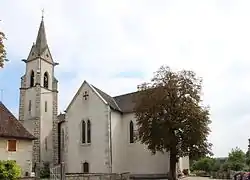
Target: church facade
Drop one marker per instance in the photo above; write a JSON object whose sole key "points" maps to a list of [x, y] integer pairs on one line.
{"points": [[96, 134]]}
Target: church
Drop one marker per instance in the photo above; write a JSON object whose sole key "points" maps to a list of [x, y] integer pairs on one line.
{"points": [[96, 132]]}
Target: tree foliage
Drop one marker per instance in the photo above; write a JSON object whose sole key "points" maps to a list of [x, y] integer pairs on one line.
{"points": [[9, 170], [248, 158], [204, 164], [171, 117], [236, 159], [45, 171], [2, 49]]}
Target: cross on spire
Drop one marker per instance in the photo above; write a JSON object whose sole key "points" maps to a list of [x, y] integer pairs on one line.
{"points": [[42, 14]]}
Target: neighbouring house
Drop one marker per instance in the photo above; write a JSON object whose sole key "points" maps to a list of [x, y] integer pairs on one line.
{"points": [[15, 141]]}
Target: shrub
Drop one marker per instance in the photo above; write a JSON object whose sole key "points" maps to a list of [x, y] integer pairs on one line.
{"points": [[9, 170], [201, 173], [45, 171], [185, 172]]}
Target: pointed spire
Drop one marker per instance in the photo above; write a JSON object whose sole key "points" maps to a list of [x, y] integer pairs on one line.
{"points": [[41, 41]]}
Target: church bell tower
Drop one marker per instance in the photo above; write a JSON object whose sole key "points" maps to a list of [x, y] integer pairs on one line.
{"points": [[38, 101]]}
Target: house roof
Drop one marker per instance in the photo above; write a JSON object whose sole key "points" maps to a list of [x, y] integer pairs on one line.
{"points": [[10, 127]]}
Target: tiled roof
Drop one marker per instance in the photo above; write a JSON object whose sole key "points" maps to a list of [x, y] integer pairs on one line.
{"points": [[11, 127], [110, 100], [123, 103], [126, 102]]}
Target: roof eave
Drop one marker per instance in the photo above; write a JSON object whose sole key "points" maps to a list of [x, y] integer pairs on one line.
{"points": [[18, 137]]}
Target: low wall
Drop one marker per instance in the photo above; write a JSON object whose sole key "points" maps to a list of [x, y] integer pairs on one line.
{"points": [[31, 178]]}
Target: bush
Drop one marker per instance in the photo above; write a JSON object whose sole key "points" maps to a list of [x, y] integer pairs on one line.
{"points": [[201, 173], [9, 170], [45, 171], [185, 172]]}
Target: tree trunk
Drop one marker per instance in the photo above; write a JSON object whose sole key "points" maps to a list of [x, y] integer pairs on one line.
{"points": [[173, 160]]}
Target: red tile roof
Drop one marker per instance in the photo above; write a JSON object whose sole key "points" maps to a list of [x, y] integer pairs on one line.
{"points": [[10, 127]]}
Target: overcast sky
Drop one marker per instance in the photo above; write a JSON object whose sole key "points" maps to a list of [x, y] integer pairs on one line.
{"points": [[116, 45]]}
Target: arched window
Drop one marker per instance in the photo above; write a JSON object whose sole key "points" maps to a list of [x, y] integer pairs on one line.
{"points": [[32, 79], [85, 167], [83, 132], [88, 132], [131, 132], [46, 80]]}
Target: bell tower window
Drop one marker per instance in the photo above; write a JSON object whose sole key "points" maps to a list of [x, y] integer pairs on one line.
{"points": [[32, 79], [46, 80]]}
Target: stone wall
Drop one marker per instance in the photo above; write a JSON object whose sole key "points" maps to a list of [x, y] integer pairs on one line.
{"points": [[31, 178], [55, 124], [37, 127], [22, 98]]}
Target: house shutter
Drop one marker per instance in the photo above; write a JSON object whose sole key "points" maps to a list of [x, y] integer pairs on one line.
{"points": [[11, 145]]}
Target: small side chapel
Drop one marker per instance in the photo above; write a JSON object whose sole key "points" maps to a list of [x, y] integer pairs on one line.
{"points": [[95, 134]]}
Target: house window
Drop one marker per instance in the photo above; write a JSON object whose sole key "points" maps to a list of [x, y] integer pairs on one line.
{"points": [[85, 167], [32, 79], [46, 80], [88, 132], [11, 145], [46, 104], [131, 132], [29, 105], [83, 132]]}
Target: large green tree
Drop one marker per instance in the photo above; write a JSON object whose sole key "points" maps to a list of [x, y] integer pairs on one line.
{"points": [[204, 164], [236, 159], [171, 117], [2, 49]]}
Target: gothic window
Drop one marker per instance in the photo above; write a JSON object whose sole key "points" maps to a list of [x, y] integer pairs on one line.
{"points": [[83, 132], [131, 132], [62, 139], [32, 79], [85, 167], [46, 104], [88, 132], [46, 80], [29, 105]]}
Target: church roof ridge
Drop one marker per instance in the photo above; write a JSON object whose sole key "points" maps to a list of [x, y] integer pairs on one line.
{"points": [[126, 94], [123, 103]]}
